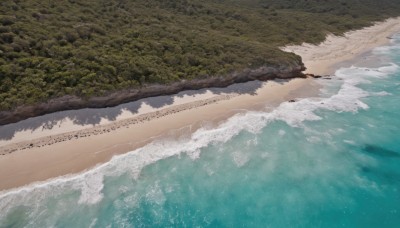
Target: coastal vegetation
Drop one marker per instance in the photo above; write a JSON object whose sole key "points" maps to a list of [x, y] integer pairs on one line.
{"points": [[87, 48]]}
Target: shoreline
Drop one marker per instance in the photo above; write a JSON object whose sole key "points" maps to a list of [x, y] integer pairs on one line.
{"points": [[59, 154], [75, 155], [343, 51]]}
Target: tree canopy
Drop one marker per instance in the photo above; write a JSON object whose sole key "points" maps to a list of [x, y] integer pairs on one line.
{"points": [[93, 47]]}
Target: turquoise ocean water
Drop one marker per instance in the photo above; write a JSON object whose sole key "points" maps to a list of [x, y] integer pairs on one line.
{"points": [[328, 161]]}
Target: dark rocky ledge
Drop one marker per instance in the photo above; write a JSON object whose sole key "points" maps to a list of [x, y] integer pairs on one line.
{"points": [[69, 102]]}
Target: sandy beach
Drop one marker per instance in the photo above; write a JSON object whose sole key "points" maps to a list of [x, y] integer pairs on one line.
{"points": [[338, 51], [64, 146], [75, 151]]}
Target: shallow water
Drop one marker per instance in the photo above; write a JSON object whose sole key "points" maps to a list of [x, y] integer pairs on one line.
{"points": [[330, 161]]}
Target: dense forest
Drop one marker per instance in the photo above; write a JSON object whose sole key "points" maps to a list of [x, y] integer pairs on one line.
{"points": [[93, 47]]}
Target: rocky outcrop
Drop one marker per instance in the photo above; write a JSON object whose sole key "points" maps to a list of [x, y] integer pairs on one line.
{"points": [[73, 102]]}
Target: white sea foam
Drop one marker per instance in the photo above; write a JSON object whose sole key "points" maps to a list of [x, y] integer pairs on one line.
{"points": [[90, 183], [351, 142], [240, 158], [209, 170], [155, 195], [384, 50], [91, 188], [252, 142], [313, 139], [382, 93], [93, 223], [265, 155], [194, 154]]}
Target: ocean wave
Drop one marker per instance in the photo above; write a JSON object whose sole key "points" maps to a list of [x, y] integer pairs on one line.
{"points": [[385, 50], [390, 50], [90, 183]]}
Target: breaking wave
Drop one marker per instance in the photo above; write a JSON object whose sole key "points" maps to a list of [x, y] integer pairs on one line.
{"points": [[89, 184]]}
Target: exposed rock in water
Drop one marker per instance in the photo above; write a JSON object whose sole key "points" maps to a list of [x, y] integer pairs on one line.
{"points": [[313, 75], [293, 70]]}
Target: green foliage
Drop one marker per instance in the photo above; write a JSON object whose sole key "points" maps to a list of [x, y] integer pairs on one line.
{"points": [[93, 47]]}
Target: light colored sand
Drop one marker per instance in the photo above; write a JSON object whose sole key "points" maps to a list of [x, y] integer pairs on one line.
{"points": [[38, 153], [321, 59], [68, 123], [72, 152]]}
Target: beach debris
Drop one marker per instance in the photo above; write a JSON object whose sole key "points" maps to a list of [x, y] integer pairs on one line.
{"points": [[313, 75]]}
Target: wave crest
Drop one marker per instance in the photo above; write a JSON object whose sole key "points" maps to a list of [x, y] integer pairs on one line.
{"points": [[90, 183]]}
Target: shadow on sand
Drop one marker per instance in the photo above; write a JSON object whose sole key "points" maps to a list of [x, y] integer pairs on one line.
{"points": [[94, 116]]}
